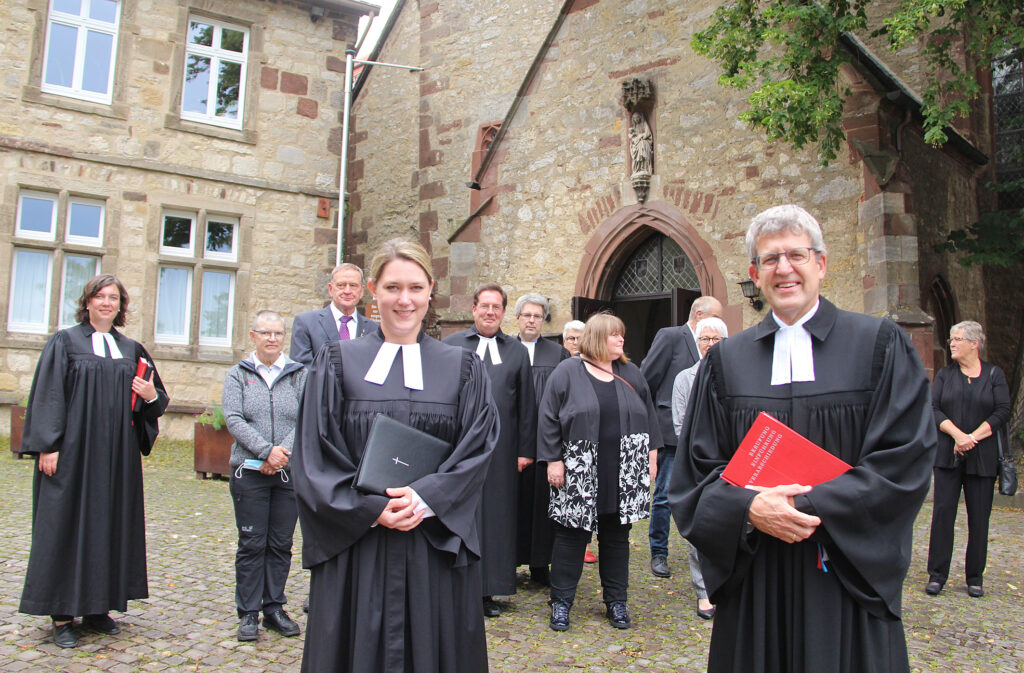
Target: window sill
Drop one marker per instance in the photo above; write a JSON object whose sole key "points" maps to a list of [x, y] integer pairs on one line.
{"points": [[32, 94], [224, 355], [173, 121]]}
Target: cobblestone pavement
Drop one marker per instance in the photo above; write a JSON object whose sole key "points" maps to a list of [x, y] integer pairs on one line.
{"points": [[188, 623]]}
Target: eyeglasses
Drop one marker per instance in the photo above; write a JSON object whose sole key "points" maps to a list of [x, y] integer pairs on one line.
{"points": [[796, 257], [572, 339], [711, 340], [531, 316], [268, 334], [956, 340], [490, 307]]}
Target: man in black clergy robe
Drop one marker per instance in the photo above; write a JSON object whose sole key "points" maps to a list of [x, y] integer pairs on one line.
{"points": [[536, 536], [806, 579], [508, 366], [673, 350]]}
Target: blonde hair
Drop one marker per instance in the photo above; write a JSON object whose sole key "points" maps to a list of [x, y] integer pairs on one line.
{"points": [[594, 342], [400, 248]]}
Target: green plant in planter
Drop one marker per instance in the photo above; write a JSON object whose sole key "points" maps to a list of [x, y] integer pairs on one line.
{"points": [[213, 416], [23, 402]]}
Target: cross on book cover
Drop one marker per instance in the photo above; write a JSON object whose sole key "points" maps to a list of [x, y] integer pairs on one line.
{"points": [[396, 455]]}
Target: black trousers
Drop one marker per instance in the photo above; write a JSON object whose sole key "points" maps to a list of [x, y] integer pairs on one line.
{"points": [[978, 493], [613, 558], [265, 513]]}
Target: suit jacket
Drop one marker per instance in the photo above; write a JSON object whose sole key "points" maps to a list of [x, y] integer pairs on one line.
{"points": [[312, 329], [673, 351]]}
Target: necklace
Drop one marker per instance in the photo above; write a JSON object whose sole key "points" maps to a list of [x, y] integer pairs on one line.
{"points": [[970, 378]]}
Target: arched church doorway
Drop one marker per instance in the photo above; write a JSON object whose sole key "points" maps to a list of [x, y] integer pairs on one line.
{"points": [[943, 309], [653, 287]]}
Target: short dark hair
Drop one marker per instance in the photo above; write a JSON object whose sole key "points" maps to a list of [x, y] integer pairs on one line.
{"points": [[92, 288], [491, 287]]}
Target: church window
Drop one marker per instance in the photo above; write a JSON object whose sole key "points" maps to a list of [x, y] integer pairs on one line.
{"points": [[1008, 105], [657, 266]]}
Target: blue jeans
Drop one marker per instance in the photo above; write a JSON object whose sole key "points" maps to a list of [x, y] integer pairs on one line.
{"points": [[661, 516]]}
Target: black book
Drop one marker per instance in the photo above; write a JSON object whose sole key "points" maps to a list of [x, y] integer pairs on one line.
{"points": [[397, 455]]}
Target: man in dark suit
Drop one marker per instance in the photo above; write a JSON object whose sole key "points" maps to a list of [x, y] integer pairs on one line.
{"points": [[338, 320], [674, 349]]}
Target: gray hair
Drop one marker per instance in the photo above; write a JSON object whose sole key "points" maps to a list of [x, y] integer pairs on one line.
{"points": [[532, 298], [266, 316], [572, 325], [702, 305], [716, 324], [346, 265], [972, 331], [781, 219]]}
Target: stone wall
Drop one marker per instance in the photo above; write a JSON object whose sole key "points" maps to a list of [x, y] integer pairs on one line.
{"points": [[140, 157]]}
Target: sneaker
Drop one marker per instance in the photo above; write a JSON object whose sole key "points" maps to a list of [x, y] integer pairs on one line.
{"points": [[659, 566], [559, 616], [248, 627], [64, 635], [278, 620], [618, 615], [491, 607], [101, 624]]}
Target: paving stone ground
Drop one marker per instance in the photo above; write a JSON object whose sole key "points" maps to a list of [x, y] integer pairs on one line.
{"points": [[188, 623]]}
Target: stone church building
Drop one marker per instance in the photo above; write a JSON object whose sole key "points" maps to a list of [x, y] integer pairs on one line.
{"points": [[513, 158]]}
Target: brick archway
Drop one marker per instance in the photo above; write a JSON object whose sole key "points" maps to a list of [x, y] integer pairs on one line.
{"points": [[619, 234]]}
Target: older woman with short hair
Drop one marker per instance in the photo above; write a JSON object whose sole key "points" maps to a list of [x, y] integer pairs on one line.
{"points": [[571, 334], [598, 433], [971, 402]]}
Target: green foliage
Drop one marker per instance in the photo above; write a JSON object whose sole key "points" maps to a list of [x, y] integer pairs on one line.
{"points": [[788, 52], [996, 239], [213, 416]]}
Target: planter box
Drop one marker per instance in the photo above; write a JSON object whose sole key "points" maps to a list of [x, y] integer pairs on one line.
{"points": [[17, 428], [212, 451]]}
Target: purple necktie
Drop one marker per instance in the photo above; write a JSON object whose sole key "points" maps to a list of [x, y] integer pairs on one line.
{"points": [[343, 331]]}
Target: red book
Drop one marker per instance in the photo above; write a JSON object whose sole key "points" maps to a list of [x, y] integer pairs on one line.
{"points": [[142, 370], [773, 454]]}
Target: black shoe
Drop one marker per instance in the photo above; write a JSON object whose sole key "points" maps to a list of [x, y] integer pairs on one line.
{"points": [[706, 614], [618, 615], [659, 566], [491, 607], [933, 588], [278, 620], [975, 591], [248, 627], [559, 616], [305, 605], [101, 624], [64, 635], [540, 575]]}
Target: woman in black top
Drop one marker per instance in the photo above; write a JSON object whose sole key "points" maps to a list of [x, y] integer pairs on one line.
{"points": [[971, 402], [598, 433]]}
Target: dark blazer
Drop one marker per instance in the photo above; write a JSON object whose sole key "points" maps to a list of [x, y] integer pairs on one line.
{"points": [[312, 329], [673, 351], [986, 398]]}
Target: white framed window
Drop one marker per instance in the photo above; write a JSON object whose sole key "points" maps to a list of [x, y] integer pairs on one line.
{"points": [[221, 238], [78, 269], [178, 233], [213, 90], [29, 305], [85, 221], [173, 304], [216, 309], [81, 43], [37, 215]]}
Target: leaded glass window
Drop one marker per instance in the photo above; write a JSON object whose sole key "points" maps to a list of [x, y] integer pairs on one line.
{"points": [[657, 266]]}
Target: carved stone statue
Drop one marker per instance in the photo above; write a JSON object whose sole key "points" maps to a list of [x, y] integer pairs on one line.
{"points": [[641, 146]]}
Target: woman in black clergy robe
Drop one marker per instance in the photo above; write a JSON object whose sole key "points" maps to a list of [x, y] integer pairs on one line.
{"points": [[831, 602], [395, 582], [88, 525]]}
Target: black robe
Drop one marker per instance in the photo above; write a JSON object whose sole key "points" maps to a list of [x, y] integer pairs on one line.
{"points": [[512, 389], [535, 535], [869, 405], [88, 521], [381, 599]]}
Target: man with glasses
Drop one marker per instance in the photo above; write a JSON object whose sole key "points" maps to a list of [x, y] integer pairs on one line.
{"points": [[711, 331], [673, 350], [338, 320], [508, 366], [535, 535], [806, 577]]}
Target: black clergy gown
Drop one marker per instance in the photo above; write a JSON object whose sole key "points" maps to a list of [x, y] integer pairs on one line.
{"points": [[777, 610], [535, 535], [382, 599], [88, 522], [512, 389]]}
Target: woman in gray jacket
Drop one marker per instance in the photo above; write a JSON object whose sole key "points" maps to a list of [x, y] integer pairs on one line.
{"points": [[261, 399]]}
